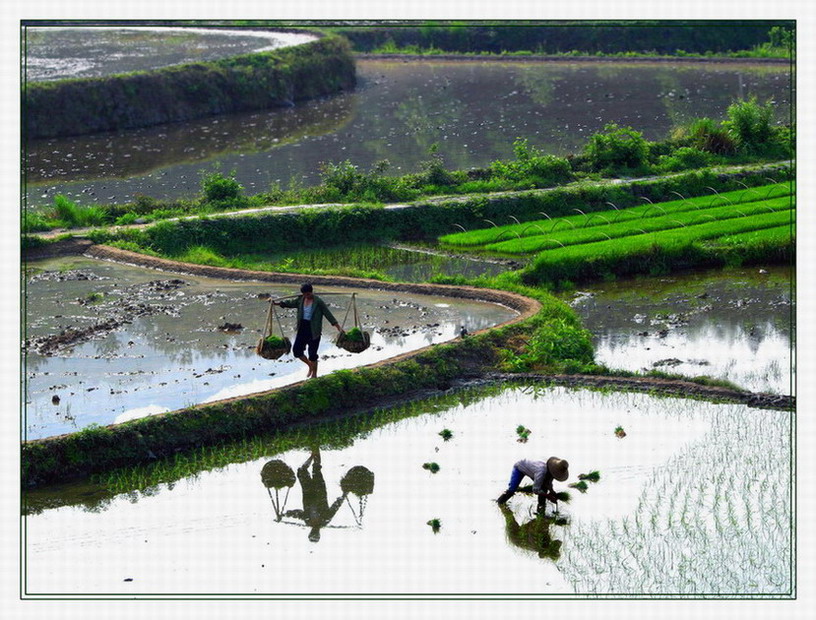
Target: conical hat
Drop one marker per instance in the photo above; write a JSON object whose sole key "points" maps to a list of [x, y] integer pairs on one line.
{"points": [[559, 468]]}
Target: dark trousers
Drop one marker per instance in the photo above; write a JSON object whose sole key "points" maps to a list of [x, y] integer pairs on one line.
{"points": [[304, 339]]}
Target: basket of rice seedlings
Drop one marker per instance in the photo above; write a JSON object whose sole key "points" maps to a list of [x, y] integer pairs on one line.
{"points": [[271, 346], [354, 340]]}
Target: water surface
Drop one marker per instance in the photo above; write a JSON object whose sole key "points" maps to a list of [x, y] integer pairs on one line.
{"points": [[735, 324], [473, 110], [674, 512], [167, 350]]}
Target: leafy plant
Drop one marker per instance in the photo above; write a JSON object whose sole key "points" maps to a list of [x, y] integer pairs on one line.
{"points": [[617, 148], [219, 188], [750, 124]]}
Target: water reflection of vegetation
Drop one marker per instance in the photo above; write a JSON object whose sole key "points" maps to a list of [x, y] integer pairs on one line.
{"points": [[140, 151], [332, 434]]}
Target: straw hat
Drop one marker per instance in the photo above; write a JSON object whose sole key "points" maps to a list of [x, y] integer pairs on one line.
{"points": [[559, 468]]}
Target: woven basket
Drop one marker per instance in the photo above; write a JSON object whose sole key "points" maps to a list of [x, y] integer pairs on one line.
{"points": [[353, 346], [272, 353]]}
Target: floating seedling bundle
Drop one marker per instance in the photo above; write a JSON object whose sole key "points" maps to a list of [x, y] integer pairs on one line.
{"points": [[271, 346], [354, 340]]}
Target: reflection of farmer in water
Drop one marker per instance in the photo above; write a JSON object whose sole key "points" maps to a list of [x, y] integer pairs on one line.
{"points": [[533, 535], [316, 512]]}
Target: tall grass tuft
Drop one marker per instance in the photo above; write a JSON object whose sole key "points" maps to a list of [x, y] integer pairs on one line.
{"points": [[73, 215]]}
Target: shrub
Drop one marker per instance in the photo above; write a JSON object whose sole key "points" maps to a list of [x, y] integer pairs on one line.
{"points": [[532, 164], [684, 158], [617, 148], [219, 188], [708, 135], [749, 123]]}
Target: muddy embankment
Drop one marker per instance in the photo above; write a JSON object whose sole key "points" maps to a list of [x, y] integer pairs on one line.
{"points": [[433, 368]]}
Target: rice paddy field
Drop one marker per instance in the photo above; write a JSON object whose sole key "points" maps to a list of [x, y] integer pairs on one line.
{"points": [[692, 499]]}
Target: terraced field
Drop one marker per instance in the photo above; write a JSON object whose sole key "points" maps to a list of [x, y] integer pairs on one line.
{"points": [[685, 219]]}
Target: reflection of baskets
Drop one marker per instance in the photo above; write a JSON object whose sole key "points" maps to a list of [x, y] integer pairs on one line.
{"points": [[354, 340], [276, 474], [272, 347], [358, 480]]}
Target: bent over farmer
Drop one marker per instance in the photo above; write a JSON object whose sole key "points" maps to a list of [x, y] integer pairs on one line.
{"points": [[310, 312], [542, 474]]}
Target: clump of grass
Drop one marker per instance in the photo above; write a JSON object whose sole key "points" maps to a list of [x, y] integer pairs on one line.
{"points": [[445, 434], [431, 467], [592, 476], [579, 486], [523, 433], [619, 432], [94, 298], [435, 524]]}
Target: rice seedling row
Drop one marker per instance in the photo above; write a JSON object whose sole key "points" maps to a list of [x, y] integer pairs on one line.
{"points": [[629, 227], [614, 214]]}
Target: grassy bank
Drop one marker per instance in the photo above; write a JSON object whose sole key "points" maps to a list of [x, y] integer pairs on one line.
{"points": [[598, 37], [99, 449], [185, 92]]}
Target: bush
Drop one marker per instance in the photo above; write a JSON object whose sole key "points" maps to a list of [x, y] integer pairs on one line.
{"points": [[684, 158], [219, 188], [618, 148], [708, 135], [749, 124], [434, 171], [533, 165]]}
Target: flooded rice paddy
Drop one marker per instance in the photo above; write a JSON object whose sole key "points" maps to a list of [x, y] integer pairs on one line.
{"points": [[694, 500], [144, 342], [64, 52], [473, 110], [735, 325]]}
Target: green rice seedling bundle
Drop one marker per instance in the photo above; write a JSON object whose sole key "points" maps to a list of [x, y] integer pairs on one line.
{"points": [[579, 486], [445, 434], [548, 225], [436, 525], [354, 340], [272, 347], [431, 467], [593, 476], [523, 433]]}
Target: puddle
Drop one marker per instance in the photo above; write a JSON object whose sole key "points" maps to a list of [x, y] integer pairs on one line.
{"points": [[675, 510], [148, 342], [734, 325]]}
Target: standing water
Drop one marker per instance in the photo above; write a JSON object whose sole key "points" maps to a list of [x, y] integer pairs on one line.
{"points": [[675, 511], [472, 109]]}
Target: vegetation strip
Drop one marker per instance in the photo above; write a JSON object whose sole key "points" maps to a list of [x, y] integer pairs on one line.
{"points": [[185, 92]]}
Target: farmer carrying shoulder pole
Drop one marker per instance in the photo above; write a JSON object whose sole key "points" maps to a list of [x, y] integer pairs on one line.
{"points": [[310, 312], [542, 473]]}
